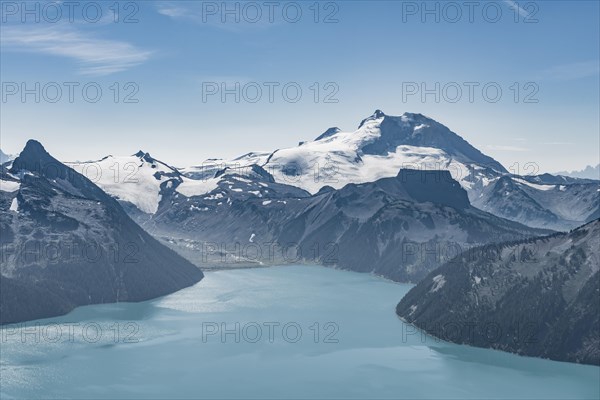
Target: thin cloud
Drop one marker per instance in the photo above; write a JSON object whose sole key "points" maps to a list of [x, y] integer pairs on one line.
{"points": [[572, 71], [196, 14], [172, 11], [499, 147], [95, 56]]}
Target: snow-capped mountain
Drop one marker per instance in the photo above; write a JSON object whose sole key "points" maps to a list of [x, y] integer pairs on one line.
{"points": [[380, 147], [537, 297], [140, 180], [383, 144], [66, 243]]}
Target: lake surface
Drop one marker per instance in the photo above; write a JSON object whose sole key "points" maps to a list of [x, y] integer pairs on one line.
{"points": [[280, 332]]}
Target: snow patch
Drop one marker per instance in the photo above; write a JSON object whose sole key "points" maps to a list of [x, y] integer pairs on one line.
{"points": [[9, 186], [534, 185], [14, 206], [129, 178], [197, 187], [438, 282], [215, 196]]}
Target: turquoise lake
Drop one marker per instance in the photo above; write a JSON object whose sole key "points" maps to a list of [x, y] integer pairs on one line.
{"points": [[279, 332]]}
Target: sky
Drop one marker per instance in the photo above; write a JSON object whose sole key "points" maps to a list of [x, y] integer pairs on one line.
{"points": [[192, 80]]}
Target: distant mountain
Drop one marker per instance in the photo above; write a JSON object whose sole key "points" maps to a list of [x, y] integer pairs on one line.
{"points": [[588, 172], [541, 201], [537, 297], [5, 157], [66, 243], [549, 179]]}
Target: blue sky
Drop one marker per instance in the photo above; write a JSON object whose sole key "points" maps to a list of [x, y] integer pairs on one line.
{"points": [[369, 55]]}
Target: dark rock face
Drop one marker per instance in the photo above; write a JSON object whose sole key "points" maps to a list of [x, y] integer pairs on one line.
{"points": [[66, 243], [538, 297], [434, 186]]}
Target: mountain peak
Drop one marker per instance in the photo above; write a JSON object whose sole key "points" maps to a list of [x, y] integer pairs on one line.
{"points": [[144, 156], [35, 160], [33, 157], [34, 146], [419, 130], [329, 132], [376, 115]]}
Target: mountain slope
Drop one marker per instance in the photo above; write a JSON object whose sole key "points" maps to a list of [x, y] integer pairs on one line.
{"points": [[400, 228], [66, 243], [538, 297], [421, 131], [541, 205]]}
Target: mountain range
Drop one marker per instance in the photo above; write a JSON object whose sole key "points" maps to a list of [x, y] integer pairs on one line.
{"points": [[379, 148], [588, 172], [389, 227]]}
